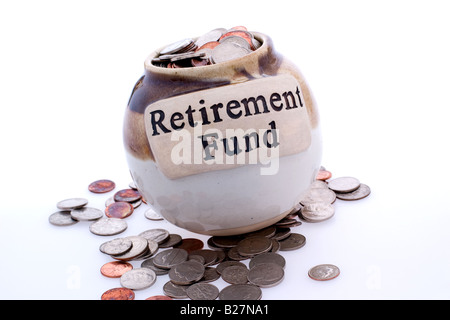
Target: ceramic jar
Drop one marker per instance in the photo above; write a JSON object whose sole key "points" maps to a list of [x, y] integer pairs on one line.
{"points": [[227, 148]]}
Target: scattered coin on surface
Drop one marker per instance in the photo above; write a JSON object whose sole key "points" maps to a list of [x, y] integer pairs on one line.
{"points": [[72, 203], [86, 214], [118, 294], [108, 226], [360, 193], [101, 186], [62, 218], [138, 279], [324, 272], [344, 184], [240, 292], [202, 291], [266, 275]]}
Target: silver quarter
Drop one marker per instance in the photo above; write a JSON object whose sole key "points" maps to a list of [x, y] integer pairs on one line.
{"points": [[210, 275], [317, 212], [210, 256], [138, 279], [148, 263], [225, 264], [293, 242], [202, 291], [318, 195], [210, 36], [240, 292], [86, 214], [228, 51], [108, 226], [168, 258], [171, 241], [360, 193], [268, 257], [61, 218], [151, 214], [116, 246], [158, 235], [176, 46], [140, 245], [186, 272], [324, 272], [266, 275], [254, 245], [71, 203], [174, 290], [235, 274], [344, 184]]}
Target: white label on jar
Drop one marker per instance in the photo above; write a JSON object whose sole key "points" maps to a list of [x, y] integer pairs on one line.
{"points": [[250, 123]]}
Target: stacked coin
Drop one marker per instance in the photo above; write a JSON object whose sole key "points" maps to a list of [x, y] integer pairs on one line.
{"points": [[216, 46]]}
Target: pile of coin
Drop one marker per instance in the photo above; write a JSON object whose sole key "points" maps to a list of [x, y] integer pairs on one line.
{"points": [[216, 46]]}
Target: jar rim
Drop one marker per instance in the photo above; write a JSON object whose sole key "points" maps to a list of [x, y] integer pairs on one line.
{"points": [[213, 68]]}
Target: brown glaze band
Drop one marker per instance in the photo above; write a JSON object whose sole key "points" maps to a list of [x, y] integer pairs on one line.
{"points": [[160, 83]]}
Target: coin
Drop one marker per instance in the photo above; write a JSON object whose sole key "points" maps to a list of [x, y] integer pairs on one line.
{"points": [[226, 241], [148, 263], [202, 291], [140, 245], [86, 214], [116, 246], [240, 292], [137, 279], [266, 275], [210, 256], [210, 36], [268, 257], [177, 46], [171, 241], [254, 245], [174, 290], [61, 218], [317, 212], [240, 33], [344, 184], [109, 201], [169, 258], [210, 275], [101, 186], [265, 232], [118, 294], [235, 274], [293, 242], [127, 195], [323, 175], [360, 193], [282, 233], [119, 210], [151, 214], [221, 266], [190, 244], [108, 226], [228, 51], [323, 272], [72, 203], [115, 269], [157, 235], [159, 297], [233, 254], [186, 272], [318, 195]]}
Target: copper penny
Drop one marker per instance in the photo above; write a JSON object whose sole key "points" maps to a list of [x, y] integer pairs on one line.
{"points": [[209, 45], [115, 269], [127, 195], [190, 244], [118, 294], [159, 297], [119, 210], [323, 175], [101, 186]]}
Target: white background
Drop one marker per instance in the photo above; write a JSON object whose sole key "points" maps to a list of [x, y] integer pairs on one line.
{"points": [[379, 71]]}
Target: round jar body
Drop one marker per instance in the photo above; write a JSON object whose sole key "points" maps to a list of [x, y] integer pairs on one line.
{"points": [[227, 148]]}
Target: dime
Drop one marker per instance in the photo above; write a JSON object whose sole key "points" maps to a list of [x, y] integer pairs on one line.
{"points": [[151, 214], [127, 195], [115, 269], [118, 294], [61, 218], [266, 275], [186, 272], [323, 175], [101, 186], [159, 297], [171, 241], [202, 291], [119, 210], [344, 184], [254, 245], [318, 195], [169, 258], [148, 263], [268, 257], [317, 212], [360, 193], [138, 279], [190, 244], [235, 274], [86, 214], [108, 226], [240, 292], [72, 203], [157, 235], [174, 290], [116, 246], [140, 245], [323, 272], [293, 242]]}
